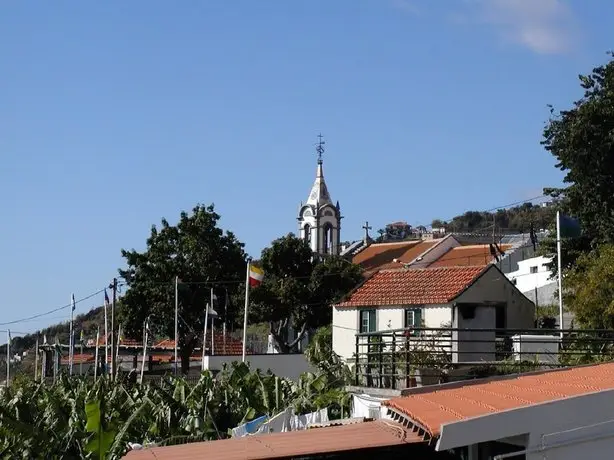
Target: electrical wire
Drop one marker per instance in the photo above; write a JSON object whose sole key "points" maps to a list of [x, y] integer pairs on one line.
{"points": [[64, 307]]}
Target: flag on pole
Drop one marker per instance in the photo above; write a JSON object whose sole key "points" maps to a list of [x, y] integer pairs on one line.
{"points": [[74, 304], [256, 275]]}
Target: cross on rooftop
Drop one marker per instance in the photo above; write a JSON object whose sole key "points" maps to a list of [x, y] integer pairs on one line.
{"points": [[366, 228], [320, 147]]}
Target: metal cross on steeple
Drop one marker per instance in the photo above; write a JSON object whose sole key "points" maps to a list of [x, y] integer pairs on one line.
{"points": [[320, 148], [366, 228]]}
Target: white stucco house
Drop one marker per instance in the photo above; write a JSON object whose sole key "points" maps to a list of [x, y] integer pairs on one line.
{"points": [[470, 297]]}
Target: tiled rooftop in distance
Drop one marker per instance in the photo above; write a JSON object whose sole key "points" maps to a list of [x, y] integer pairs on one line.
{"points": [[431, 409], [470, 255], [380, 256]]}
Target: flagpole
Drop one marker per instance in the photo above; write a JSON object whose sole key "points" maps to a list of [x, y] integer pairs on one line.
{"points": [[560, 277], [8, 358], [71, 340], [212, 338], [36, 361], [81, 353], [145, 339], [113, 363], [205, 337], [44, 363], [176, 319], [106, 332], [245, 312], [96, 354], [119, 335]]}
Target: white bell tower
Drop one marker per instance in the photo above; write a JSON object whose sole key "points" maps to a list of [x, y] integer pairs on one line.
{"points": [[319, 219]]}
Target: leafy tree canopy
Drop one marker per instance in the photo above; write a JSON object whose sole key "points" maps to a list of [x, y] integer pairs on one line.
{"points": [[589, 289], [201, 254], [299, 288], [580, 139]]}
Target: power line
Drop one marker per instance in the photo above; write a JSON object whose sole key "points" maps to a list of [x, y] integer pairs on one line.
{"points": [[64, 307]]}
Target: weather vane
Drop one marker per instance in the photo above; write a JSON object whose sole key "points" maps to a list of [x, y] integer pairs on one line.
{"points": [[320, 148]]}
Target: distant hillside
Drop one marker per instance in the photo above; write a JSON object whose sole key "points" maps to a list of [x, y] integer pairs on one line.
{"points": [[513, 220], [88, 322]]}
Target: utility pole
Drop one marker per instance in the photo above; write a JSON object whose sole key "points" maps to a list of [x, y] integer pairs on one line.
{"points": [[113, 360]]}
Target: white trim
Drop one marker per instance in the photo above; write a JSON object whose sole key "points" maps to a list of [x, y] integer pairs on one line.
{"points": [[536, 420]]}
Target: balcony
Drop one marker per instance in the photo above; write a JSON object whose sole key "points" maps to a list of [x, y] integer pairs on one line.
{"points": [[406, 358]]}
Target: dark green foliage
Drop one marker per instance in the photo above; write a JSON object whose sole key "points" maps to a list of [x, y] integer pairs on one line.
{"points": [[75, 418], [197, 251], [300, 287], [580, 139]]}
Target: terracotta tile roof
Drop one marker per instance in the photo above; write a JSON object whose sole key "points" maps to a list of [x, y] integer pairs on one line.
{"points": [[78, 358], [403, 286], [431, 409], [379, 256], [288, 445], [232, 346], [475, 254]]}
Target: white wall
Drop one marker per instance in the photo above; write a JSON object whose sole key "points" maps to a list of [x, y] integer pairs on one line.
{"points": [[345, 327], [346, 323], [437, 315], [527, 281], [283, 365]]}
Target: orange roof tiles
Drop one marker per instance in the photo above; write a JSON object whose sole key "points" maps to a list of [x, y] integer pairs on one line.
{"points": [[425, 286], [431, 409], [229, 347], [288, 445], [379, 256], [475, 254], [78, 358]]}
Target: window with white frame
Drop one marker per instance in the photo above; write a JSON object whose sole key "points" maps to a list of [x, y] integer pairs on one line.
{"points": [[413, 318]]}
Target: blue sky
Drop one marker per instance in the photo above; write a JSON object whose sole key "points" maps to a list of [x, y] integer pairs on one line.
{"points": [[115, 114]]}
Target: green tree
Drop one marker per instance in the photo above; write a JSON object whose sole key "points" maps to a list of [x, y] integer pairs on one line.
{"points": [[580, 139], [197, 251], [589, 289], [298, 288]]}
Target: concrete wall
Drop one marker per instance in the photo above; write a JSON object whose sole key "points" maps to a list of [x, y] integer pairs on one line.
{"points": [[283, 365], [546, 295], [494, 287], [471, 345]]}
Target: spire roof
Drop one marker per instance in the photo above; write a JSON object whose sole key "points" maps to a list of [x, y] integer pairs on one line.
{"points": [[319, 192]]}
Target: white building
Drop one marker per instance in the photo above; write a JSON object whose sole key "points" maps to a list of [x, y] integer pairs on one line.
{"points": [[533, 274], [319, 220], [461, 297]]}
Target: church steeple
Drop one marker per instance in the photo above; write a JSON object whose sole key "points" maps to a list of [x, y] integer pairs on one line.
{"points": [[319, 191], [319, 219]]}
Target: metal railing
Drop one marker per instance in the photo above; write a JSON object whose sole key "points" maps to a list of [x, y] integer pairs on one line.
{"points": [[405, 358]]}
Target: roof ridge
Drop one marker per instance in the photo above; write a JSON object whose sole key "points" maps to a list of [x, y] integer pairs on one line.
{"points": [[422, 269]]}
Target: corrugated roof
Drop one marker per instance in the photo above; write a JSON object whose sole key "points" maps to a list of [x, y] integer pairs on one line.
{"points": [[431, 409], [380, 256], [470, 255], [342, 438], [403, 286]]}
